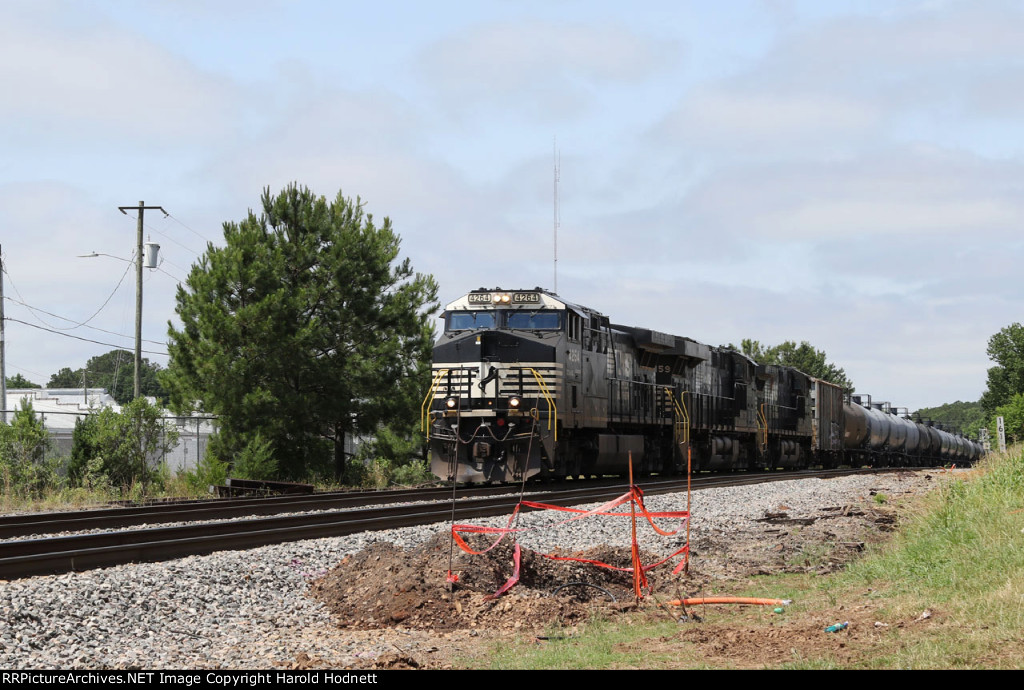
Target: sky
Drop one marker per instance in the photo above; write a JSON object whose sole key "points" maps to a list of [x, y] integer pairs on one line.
{"points": [[845, 173]]}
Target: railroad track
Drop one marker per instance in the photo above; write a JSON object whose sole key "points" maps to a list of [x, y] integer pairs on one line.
{"points": [[59, 554], [21, 525]]}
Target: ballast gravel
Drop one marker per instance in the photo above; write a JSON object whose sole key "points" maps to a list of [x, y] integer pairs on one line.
{"points": [[250, 609]]}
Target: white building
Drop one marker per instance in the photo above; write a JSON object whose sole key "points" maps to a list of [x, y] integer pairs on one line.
{"points": [[60, 408]]}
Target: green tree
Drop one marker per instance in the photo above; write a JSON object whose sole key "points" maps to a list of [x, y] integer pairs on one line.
{"points": [[968, 417], [19, 381], [1013, 421], [804, 357], [126, 443], [1006, 379], [394, 453], [66, 378], [751, 348], [304, 328], [114, 371], [23, 446]]}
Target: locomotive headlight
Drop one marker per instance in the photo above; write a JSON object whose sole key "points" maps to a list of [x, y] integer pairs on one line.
{"points": [[502, 299], [513, 402], [450, 403]]}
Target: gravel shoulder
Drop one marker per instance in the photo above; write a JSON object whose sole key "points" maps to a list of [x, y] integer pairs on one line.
{"points": [[271, 608]]}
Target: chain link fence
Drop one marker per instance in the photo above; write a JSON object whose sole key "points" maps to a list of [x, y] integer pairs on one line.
{"points": [[193, 436]]}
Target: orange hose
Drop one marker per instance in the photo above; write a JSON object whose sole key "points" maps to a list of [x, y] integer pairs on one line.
{"points": [[697, 601]]}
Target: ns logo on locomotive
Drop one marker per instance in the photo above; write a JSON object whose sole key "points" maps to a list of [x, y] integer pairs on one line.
{"points": [[526, 384]]}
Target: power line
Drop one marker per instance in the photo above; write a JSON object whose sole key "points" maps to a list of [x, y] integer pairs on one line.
{"points": [[163, 234], [168, 274], [165, 260], [23, 369], [95, 328], [77, 324], [76, 337], [204, 239]]}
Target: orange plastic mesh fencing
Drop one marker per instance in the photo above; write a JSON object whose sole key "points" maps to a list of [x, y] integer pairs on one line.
{"points": [[516, 561], [634, 497]]}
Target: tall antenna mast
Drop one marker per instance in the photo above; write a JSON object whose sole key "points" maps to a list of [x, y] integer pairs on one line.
{"points": [[557, 157]]}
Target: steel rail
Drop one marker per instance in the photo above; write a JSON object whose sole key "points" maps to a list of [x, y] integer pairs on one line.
{"points": [[62, 554], [25, 524]]}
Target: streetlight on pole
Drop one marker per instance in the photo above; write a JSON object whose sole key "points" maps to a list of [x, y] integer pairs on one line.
{"points": [[141, 208]]}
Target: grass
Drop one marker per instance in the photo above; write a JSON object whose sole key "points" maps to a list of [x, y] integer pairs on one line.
{"points": [[599, 644], [946, 592], [58, 495], [61, 496], [963, 554]]}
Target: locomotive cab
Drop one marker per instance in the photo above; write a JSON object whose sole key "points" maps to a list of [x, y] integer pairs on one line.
{"points": [[497, 382]]}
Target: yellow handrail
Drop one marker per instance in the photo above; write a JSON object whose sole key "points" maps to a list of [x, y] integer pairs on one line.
{"points": [[681, 411], [686, 416], [547, 396], [430, 394], [762, 418]]}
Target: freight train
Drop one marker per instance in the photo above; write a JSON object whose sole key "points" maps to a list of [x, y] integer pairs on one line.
{"points": [[526, 384]]}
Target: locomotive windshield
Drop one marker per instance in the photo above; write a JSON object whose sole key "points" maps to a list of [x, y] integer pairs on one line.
{"points": [[535, 320], [469, 320], [512, 319]]}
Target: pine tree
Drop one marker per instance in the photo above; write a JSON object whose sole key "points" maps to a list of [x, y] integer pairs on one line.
{"points": [[303, 329]]}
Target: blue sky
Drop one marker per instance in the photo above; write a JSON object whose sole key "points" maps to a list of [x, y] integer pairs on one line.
{"points": [[847, 173]]}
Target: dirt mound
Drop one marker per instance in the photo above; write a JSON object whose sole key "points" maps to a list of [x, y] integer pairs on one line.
{"points": [[384, 585], [399, 599]]}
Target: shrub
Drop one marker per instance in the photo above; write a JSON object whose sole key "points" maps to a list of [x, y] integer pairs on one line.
{"points": [[256, 460], [210, 471], [24, 468], [119, 446]]}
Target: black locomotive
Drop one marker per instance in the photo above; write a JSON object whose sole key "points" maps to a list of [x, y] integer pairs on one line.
{"points": [[526, 384]]}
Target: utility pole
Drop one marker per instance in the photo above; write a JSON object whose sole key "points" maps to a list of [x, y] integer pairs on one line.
{"points": [[141, 208]]}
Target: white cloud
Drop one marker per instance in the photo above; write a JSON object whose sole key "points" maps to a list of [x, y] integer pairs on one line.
{"points": [[851, 82], [926, 58], [737, 119], [539, 67], [70, 76], [904, 192]]}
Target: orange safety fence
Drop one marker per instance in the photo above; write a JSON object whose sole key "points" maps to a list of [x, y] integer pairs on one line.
{"points": [[517, 554], [634, 497], [755, 601]]}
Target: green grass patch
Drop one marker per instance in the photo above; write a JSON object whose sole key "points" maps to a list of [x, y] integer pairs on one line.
{"points": [[599, 644], [945, 592], [962, 558]]}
